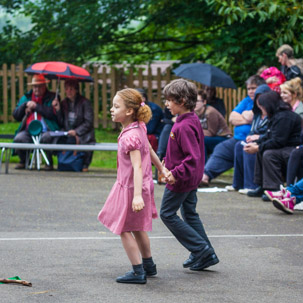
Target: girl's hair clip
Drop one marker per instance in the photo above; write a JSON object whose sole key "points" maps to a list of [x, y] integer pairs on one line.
{"points": [[142, 103]]}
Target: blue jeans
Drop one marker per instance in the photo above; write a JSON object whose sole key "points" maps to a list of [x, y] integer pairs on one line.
{"points": [[244, 168], [163, 140], [210, 143], [297, 191], [189, 231], [222, 159]]}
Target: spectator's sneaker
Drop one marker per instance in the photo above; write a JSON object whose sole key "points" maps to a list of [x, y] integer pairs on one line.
{"points": [[286, 204], [298, 206], [244, 191], [230, 188], [280, 194]]}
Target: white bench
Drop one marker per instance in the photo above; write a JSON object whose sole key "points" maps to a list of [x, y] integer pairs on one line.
{"points": [[7, 147]]}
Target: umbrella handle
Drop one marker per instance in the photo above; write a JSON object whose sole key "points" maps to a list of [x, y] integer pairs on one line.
{"points": [[57, 90], [35, 115]]}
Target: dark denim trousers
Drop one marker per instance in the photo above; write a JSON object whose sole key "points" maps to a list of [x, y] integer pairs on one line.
{"points": [[244, 168], [210, 143], [222, 159], [295, 166], [189, 231]]}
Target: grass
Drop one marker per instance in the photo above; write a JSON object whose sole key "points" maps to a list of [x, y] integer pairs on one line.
{"points": [[101, 159]]}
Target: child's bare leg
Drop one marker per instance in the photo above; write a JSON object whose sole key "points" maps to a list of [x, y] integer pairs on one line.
{"points": [[143, 243], [131, 247]]}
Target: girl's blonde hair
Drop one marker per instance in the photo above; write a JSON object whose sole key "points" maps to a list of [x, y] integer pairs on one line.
{"points": [[133, 99], [294, 86]]}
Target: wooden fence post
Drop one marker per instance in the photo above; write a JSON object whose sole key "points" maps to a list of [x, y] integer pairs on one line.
{"points": [[104, 98], [159, 87], [13, 90], [96, 97], [140, 77], [149, 84], [5, 95], [21, 80]]}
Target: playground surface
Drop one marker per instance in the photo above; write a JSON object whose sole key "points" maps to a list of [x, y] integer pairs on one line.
{"points": [[51, 237]]}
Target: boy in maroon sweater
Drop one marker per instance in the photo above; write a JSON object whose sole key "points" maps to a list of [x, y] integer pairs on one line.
{"points": [[185, 161]]}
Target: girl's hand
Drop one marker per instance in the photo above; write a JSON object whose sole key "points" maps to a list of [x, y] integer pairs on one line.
{"points": [[138, 203]]}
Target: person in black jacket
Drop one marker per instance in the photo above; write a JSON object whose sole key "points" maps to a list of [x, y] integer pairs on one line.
{"points": [[75, 115], [289, 67], [274, 148]]}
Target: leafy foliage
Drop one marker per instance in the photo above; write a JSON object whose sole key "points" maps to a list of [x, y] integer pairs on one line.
{"points": [[238, 36]]}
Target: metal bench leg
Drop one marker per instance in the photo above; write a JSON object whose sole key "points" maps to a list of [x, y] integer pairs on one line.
{"points": [[32, 160], [7, 158], [1, 159]]}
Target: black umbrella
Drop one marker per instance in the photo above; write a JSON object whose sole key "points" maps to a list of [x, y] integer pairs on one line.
{"points": [[206, 74]]}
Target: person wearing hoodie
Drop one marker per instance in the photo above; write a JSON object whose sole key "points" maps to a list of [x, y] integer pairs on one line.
{"points": [[222, 158], [274, 148], [244, 163]]}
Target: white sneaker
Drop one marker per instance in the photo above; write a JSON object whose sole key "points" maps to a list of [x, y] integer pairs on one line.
{"points": [[244, 191], [230, 188], [299, 206]]}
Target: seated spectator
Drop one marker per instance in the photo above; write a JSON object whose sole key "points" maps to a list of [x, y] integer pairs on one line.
{"points": [[273, 149], [212, 100], [38, 99], [222, 158], [285, 54], [214, 125], [273, 77], [288, 199], [292, 93], [244, 163], [295, 165], [155, 125], [75, 115], [168, 122]]}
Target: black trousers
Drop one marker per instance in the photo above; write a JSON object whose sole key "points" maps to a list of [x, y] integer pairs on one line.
{"points": [[271, 166]]}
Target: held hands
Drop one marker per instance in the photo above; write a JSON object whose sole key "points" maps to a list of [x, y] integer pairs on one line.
{"points": [[138, 203], [252, 138], [251, 148]]}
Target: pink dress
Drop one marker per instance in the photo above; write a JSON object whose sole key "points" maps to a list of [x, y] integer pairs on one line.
{"points": [[117, 214]]}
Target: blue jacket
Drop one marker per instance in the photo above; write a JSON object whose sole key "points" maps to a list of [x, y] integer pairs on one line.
{"points": [[155, 125]]}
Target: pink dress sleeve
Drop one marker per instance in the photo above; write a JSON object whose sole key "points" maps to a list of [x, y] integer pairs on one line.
{"points": [[130, 143]]}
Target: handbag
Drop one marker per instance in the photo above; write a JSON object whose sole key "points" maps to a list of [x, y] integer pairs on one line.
{"points": [[70, 160]]}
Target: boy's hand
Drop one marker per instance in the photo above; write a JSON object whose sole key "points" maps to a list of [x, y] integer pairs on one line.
{"points": [[138, 203]]}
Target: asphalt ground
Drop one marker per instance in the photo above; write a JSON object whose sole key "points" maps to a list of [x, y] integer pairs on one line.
{"points": [[51, 237]]}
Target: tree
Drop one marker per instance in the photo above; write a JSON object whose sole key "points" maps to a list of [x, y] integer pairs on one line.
{"points": [[238, 36]]}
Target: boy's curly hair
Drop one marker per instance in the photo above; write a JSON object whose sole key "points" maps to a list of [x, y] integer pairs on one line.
{"points": [[180, 91], [133, 99]]}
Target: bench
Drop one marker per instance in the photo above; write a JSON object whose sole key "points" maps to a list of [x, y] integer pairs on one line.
{"points": [[7, 147]]}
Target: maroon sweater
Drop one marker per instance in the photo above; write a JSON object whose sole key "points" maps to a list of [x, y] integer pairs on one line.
{"points": [[185, 153]]}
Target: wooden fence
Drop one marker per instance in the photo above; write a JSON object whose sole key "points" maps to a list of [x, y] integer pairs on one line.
{"points": [[107, 80]]}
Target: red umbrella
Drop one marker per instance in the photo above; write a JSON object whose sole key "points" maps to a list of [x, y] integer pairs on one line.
{"points": [[60, 70]]}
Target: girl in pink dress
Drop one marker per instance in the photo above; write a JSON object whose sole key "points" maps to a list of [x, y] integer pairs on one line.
{"points": [[130, 206]]}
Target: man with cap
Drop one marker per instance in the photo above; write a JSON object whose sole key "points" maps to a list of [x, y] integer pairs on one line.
{"points": [[38, 99]]}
